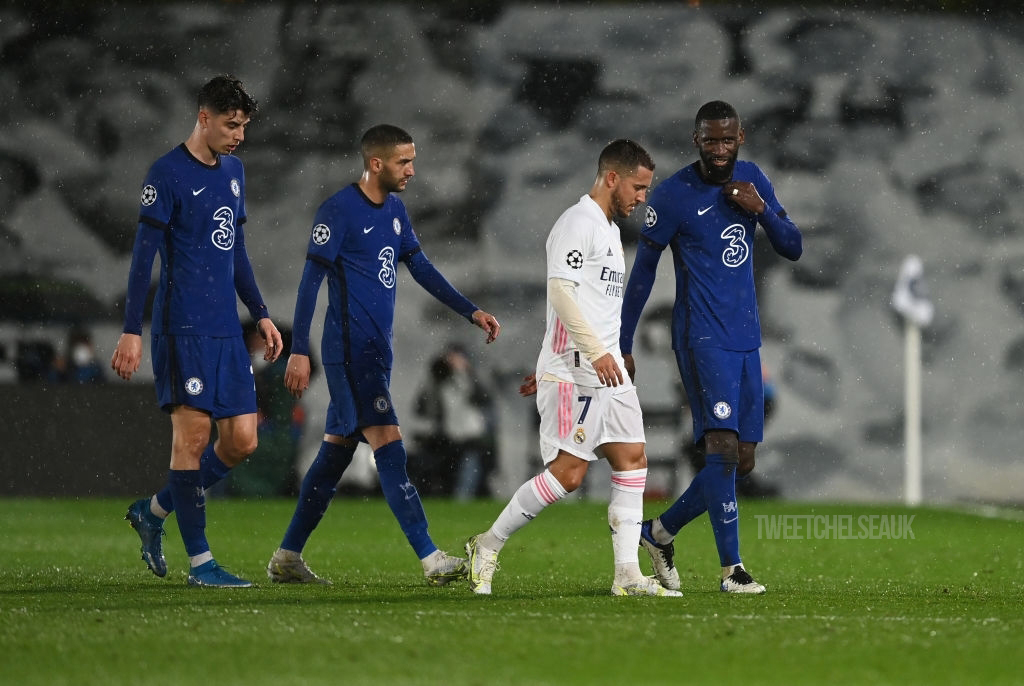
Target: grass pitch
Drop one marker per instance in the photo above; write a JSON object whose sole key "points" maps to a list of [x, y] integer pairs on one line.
{"points": [[945, 606]]}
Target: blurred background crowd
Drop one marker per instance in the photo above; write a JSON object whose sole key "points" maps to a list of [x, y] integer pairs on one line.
{"points": [[888, 133]]}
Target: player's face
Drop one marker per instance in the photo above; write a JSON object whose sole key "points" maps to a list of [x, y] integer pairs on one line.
{"points": [[397, 168], [225, 131], [718, 142], [630, 191]]}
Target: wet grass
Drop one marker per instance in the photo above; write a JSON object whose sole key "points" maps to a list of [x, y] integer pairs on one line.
{"points": [[77, 606]]}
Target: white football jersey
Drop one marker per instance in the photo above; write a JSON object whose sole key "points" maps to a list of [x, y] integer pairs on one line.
{"points": [[584, 247]]}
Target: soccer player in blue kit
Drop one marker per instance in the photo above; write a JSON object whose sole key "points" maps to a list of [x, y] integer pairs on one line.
{"points": [[192, 213], [359, 236], [707, 213]]}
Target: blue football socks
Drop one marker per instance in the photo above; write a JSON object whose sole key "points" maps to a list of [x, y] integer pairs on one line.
{"points": [[211, 470], [186, 490], [713, 490], [317, 491], [402, 497], [687, 507], [720, 497]]}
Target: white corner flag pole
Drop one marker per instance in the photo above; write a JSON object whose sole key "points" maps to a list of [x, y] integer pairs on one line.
{"points": [[912, 421], [910, 299]]}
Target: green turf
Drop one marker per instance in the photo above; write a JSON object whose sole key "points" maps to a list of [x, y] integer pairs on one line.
{"points": [[77, 606]]}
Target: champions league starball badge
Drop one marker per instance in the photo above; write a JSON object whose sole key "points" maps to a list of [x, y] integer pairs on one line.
{"points": [[321, 234]]}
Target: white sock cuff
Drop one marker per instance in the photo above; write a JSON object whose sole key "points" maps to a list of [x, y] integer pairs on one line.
{"points": [[633, 481], [546, 487], [154, 507]]}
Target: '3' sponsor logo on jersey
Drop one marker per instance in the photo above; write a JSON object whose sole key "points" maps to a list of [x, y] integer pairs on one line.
{"points": [[224, 235], [387, 266], [736, 250]]}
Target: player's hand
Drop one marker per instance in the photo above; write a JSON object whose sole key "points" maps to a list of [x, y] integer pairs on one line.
{"points": [[271, 338], [488, 323], [627, 359], [744, 195], [127, 355], [529, 386], [608, 373], [296, 376]]}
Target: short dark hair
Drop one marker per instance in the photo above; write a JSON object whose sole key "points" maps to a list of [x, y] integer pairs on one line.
{"points": [[226, 94], [713, 111], [623, 155], [382, 137]]}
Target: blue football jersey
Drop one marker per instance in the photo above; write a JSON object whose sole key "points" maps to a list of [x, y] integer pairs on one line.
{"points": [[201, 210], [712, 247], [362, 243]]}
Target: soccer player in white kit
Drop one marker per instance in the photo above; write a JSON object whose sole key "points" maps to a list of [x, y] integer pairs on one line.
{"points": [[587, 404]]}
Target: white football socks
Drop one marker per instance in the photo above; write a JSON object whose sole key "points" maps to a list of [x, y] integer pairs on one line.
{"points": [[625, 514], [532, 497]]}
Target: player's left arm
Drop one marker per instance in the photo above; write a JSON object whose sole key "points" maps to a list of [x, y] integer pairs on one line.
{"points": [[758, 198], [249, 292], [432, 281], [781, 230]]}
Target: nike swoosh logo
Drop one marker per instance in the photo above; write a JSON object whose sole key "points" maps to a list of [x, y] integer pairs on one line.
{"points": [[365, 230], [729, 521], [700, 213], [199, 191]]}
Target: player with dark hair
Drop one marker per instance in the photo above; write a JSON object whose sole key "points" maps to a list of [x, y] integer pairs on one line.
{"points": [[192, 213], [707, 213], [359, 236], [587, 405]]}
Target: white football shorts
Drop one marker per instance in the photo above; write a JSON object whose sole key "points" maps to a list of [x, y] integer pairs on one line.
{"points": [[580, 419]]}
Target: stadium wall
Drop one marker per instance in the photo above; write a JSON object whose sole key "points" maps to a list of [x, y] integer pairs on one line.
{"points": [[82, 441], [886, 133]]}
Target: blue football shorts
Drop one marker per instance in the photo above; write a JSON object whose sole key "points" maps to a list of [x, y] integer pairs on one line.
{"points": [[360, 396], [725, 389], [209, 374]]}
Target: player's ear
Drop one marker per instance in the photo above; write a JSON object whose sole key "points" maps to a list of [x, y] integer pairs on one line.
{"points": [[611, 178], [741, 138]]}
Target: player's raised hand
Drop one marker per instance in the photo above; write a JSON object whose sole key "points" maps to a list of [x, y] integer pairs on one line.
{"points": [[529, 385], [744, 195], [488, 323], [296, 376], [127, 355], [608, 373]]}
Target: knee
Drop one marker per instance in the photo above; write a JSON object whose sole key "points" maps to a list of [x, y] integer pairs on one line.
{"points": [[745, 466], [746, 461], [721, 443], [571, 479], [570, 482], [241, 446]]}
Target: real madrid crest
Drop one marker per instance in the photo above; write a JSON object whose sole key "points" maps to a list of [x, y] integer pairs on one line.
{"points": [[580, 436]]}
